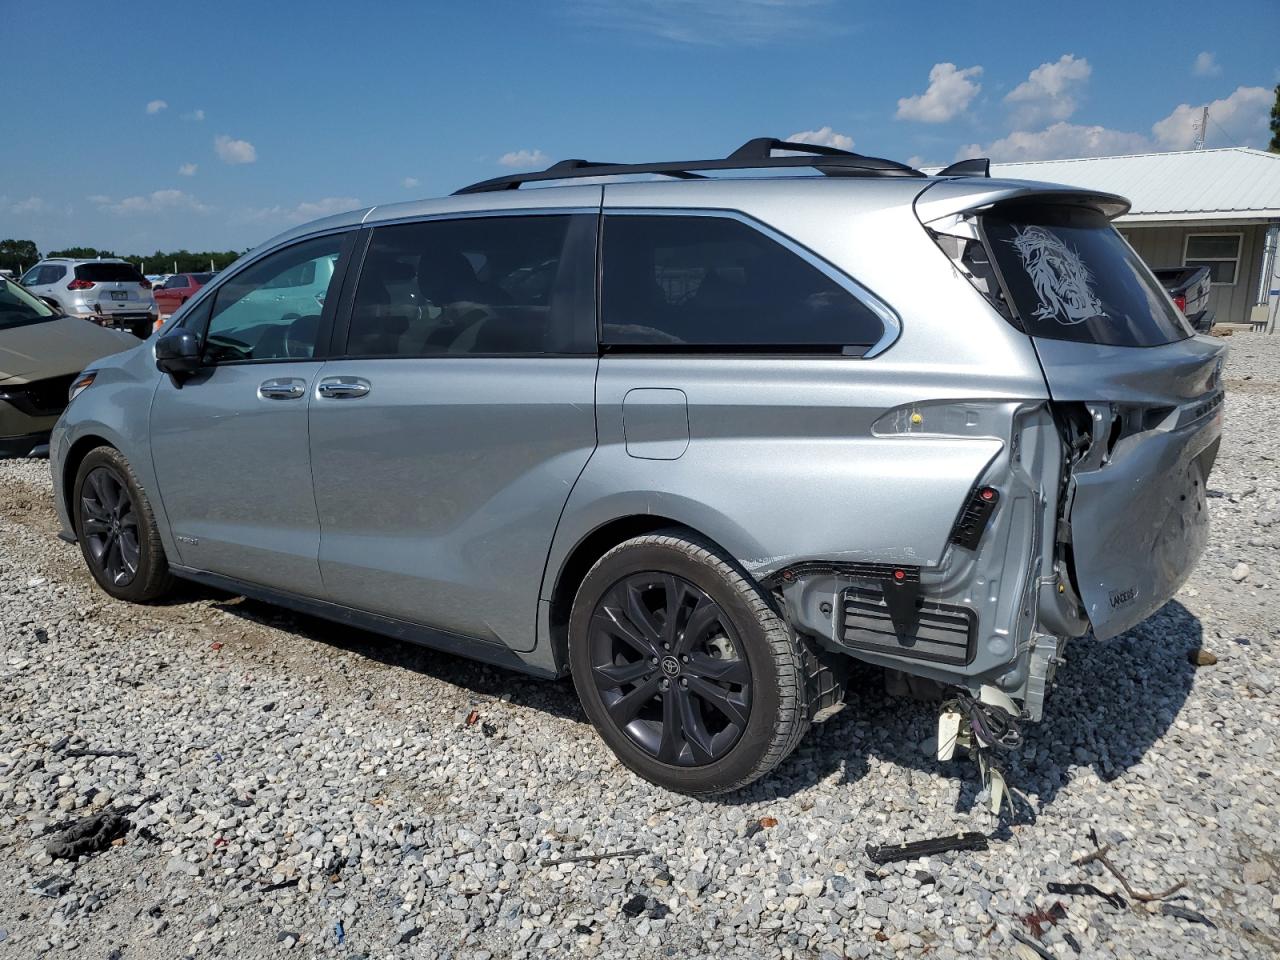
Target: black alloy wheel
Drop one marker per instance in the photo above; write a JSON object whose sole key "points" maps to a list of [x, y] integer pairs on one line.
{"points": [[109, 524], [116, 528], [670, 668]]}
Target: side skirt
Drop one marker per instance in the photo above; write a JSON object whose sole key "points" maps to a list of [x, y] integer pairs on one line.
{"points": [[424, 636]]}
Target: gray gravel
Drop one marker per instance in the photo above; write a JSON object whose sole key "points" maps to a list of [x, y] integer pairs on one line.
{"points": [[322, 792]]}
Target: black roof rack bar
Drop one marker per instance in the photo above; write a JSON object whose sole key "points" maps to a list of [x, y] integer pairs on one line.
{"points": [[754, 154]]}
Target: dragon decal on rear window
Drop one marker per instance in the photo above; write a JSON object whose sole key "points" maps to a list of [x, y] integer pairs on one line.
{"points": [[1059, 275]]}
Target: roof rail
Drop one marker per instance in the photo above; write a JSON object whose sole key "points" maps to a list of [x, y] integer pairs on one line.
{"points": [[754, 154]]}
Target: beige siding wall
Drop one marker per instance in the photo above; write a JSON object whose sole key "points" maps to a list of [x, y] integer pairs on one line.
{"points": [[1162, 246]]}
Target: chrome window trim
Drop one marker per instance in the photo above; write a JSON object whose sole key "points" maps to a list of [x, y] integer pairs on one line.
{"points": [[887, 315]]}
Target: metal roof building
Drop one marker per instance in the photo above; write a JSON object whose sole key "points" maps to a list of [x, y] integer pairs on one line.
{"points": [[1219, 208]]}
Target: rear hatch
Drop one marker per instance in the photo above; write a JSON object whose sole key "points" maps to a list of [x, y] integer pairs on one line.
{"points": [[117, 287], [1137, 396]]}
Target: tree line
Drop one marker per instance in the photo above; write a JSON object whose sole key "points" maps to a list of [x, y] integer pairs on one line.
{"points": [[18, 255]]}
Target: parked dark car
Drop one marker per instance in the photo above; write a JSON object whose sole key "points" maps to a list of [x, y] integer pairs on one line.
{"points": [[1189, 287], [178, 289]]}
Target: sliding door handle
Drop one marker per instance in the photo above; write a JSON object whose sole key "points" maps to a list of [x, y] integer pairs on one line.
{"points": [[343, 388]]}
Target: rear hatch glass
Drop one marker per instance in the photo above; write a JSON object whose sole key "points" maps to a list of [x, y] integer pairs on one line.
{"points": [[108, 273], [1071, 276]]}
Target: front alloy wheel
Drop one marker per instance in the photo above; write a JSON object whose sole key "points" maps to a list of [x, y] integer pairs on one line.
{"points": [[116, 528], [110, 526]]}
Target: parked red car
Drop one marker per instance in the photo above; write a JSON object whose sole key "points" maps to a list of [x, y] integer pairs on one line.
{"points": [[178, 289]]}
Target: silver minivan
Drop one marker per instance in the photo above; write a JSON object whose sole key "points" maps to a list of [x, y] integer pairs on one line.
{"points": [[696, 440]]}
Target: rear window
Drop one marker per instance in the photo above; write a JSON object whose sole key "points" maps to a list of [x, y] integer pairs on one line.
{"points": [[108, 273], [1072, 277], [202, 278], [713, 282]]}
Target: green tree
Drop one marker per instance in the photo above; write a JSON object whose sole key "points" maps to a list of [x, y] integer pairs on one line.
{"points": [[1275, 123], [17, 255], [80, 253]]}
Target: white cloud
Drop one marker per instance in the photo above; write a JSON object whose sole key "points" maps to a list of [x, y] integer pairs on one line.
{"points": [[524, 158], [1058, 141], [1240, 117], [302, 212], [29, 205], [188, 169], [1206, 65], [234, 151], [155, 106], [158, 201], [196, 115], [949, 93], [917, 161], [409, 182], [823, 136], [711, 22], [1050, 91]]}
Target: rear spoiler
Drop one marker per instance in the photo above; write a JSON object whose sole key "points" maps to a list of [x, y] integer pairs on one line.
{"points": [[968, 194]]}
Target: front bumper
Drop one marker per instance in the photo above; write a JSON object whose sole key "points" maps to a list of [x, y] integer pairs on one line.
{"points": [[26, 445]]}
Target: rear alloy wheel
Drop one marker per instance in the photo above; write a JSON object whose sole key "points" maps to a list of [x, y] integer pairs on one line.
{"points": [[117, 530], [684, 667]]}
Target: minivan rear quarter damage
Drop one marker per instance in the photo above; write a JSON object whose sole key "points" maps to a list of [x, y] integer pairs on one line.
{"points": [[1093, 511]]}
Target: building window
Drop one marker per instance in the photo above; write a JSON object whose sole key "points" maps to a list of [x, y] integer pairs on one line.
{"points": [[1220, 252]]}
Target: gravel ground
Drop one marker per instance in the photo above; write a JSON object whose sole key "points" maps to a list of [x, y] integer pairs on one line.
{"points": [[309, 789]]}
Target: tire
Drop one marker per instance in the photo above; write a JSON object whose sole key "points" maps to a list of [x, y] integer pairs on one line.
{"points": [[136, 570], [737, 659]]}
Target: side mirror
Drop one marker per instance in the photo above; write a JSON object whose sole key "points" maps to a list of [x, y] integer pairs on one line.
{"points": [[178, 353]]}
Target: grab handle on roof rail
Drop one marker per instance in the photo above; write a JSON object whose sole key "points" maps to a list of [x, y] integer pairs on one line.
{"points": [[761, 148]]}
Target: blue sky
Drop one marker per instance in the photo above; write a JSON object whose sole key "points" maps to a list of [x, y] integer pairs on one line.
{"points": [[218, 125]]}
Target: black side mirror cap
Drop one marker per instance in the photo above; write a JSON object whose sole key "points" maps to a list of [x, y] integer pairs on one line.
{"points": [[178, 353]]}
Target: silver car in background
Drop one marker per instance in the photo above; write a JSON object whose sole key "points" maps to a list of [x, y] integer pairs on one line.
{"points": [[696, 441], [108, 291]]}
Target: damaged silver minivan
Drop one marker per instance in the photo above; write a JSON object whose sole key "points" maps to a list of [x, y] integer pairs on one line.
{"points": [[695, 440]]}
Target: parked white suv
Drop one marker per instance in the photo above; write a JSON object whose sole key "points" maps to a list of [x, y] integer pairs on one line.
{"points": [[110, 291]]}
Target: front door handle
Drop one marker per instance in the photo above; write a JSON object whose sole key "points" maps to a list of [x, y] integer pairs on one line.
{"points": [[343, 388], [283, 388]]}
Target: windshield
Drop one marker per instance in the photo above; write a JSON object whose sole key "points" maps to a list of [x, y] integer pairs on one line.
{"points": [[1071, 276], [17, 307]]}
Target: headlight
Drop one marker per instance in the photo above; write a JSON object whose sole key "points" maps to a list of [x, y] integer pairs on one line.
{"points": [[81, 383]]}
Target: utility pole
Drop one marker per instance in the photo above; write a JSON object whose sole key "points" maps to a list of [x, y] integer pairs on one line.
{"points": [[1202, 129]]}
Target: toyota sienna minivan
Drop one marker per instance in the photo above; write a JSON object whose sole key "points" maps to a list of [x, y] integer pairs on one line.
{"points": [[696, 440]]}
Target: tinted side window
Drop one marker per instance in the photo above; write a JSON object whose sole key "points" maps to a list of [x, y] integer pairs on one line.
{"points": [[259, 316], [718, 282], [477, 285]]}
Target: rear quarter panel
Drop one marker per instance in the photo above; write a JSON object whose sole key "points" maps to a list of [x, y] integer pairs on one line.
{"points": [[781, 462]]}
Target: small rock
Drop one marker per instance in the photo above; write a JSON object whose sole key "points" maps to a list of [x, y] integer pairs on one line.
{"points": [[513, 853], [1202, 658], [1256, 872], [1239, 572]]}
